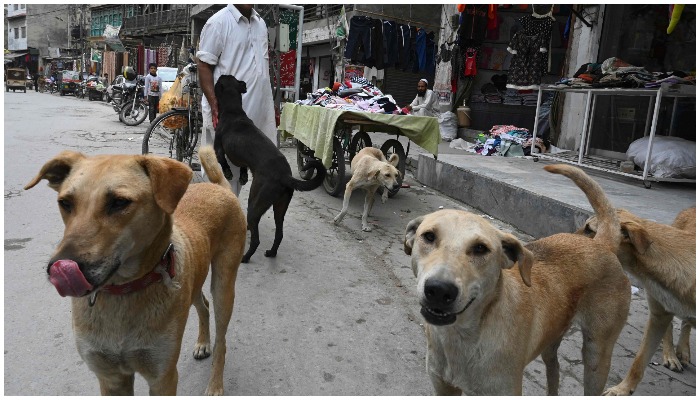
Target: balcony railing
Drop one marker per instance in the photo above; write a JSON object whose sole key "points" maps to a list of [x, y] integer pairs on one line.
{"points": [[315, 12], [163, 20]]}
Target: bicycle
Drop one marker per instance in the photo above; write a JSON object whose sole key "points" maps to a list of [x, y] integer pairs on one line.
{"points": [[175, 134]]}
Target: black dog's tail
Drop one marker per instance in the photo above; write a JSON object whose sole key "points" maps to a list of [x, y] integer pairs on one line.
{"points": [[316, 181]]}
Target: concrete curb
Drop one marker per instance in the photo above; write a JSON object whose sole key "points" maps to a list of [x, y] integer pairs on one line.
{"points": [[532, 213]]}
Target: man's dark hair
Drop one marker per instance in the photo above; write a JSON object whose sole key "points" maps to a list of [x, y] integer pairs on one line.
{"points": [[152, 65]]}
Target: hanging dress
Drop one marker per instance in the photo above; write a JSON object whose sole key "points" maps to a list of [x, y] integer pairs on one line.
{"points": [[530, 47]]}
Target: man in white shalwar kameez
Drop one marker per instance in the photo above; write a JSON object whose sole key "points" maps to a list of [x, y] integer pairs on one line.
{"points": [[426, 102], [234, 42]]}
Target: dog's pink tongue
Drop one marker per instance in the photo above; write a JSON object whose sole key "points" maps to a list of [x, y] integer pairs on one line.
{"points": [[68, 280]]}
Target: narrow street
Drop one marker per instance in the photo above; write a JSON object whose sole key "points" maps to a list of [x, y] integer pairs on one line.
{"points": [[334, 314]]}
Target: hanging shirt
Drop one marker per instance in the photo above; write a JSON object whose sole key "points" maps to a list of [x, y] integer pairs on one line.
{"points": [[239, 47], [426, 106]]}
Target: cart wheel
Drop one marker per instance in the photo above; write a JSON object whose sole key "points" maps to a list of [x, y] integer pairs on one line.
{"points": [[358, 142], [535, 159], [393, 146], [303, 153], [647, 184], [334, 183]]}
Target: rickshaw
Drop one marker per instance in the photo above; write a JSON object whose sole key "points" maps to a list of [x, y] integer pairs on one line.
{"points": [[16, 79], [70, 82]]}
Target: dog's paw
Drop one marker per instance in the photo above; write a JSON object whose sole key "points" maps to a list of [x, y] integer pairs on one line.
{"points": [[243, 179], [673, 364], [228, 174], [367, 228], [214, 390], [201, 351], [337, 219], [618, 390], [270, 253], [245, 260]]}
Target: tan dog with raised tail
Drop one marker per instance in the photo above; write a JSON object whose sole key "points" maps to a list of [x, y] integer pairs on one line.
{"points": [[662, 258], [370, 171], [487, 320], [134, 255]]}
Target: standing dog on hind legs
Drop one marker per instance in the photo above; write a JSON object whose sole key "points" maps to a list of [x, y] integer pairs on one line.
{"points": [[139, 235], [238, 138], [370, 171]]}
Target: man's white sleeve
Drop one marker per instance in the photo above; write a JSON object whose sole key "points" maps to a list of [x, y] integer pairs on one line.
{"points": [[211, 44], [414, 103]]}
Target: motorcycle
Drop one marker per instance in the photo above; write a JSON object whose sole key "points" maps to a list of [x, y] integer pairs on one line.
{"points": [[135, 110], [81, 89]]}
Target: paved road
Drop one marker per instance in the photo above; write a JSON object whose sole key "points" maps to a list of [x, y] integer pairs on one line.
{"points": [[334, 314]]}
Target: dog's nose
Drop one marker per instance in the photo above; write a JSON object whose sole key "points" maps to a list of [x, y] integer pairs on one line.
{"points": [[440, 293]]}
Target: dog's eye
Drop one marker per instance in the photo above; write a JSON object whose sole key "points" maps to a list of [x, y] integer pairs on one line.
{"points": [[66, 205], [480, 249], [117, 204], [387, 175], [429, 237]]}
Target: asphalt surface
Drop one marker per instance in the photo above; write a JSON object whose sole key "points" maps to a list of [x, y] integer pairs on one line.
{"points": [[335, 313]]}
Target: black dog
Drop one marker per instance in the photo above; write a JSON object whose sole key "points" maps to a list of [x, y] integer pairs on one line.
{"points": [[238, 138]]}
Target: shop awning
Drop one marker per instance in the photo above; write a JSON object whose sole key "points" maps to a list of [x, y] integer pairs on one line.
{"points": [[14, 55]]}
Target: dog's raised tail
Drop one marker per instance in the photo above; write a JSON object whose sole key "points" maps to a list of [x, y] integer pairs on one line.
{"points": [[211, 166], [316, 181], [608, 233]]}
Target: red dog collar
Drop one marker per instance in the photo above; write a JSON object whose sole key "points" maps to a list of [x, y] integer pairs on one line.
{"points": [[167, 263]]}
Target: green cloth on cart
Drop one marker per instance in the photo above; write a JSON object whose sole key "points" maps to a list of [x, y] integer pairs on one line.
{"points": [[314, 126]]}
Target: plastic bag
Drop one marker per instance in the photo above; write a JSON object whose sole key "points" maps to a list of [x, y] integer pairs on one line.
{"points": [[173, 97], [448, 125], [671, 157]]}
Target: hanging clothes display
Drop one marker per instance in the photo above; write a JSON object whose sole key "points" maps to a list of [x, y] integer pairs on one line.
{"points": [[530, 48], [472, 30], [404, 45], [443, 75], [359, 46], [391, 41]]}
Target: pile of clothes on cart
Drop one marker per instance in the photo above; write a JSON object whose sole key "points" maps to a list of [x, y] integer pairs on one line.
{"points": [[356, 94], [617, 73]]}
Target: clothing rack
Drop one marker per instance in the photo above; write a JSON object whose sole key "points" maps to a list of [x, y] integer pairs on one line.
{"points": [[400, 19]]}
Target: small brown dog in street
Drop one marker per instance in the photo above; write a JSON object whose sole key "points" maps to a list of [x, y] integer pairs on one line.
{"points": [[662, 257], [487, 320], [370, 171], [135, 252]]}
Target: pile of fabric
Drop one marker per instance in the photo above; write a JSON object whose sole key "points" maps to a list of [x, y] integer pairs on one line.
{"points": [[358, 94], [507, 141], [614, 72]]}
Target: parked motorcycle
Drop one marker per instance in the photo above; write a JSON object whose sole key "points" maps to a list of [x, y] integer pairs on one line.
{"points": [[134, 110]]}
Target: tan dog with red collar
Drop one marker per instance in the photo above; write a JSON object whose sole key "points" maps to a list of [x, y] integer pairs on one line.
{"points": [[135, 225]]}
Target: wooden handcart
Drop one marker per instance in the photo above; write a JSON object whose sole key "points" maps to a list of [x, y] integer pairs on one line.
{"points": [[327, 134]]}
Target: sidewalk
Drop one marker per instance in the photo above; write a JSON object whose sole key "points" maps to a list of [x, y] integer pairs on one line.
{"points": [[520, 192]]}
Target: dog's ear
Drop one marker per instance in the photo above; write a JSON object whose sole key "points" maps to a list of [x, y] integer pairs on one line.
{"points": [[394, 159], [636, 235], [57, 169], [373, 174], [410, 235], [515, 251], [242, 87], [169, 180]]}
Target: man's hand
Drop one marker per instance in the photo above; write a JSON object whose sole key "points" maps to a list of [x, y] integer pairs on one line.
{"points": [[409, 107]]}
